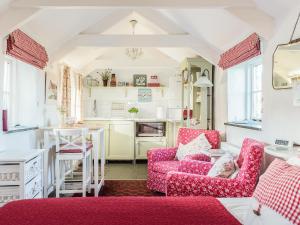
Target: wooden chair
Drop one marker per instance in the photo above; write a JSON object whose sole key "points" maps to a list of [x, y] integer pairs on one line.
{"points": [[71, 145]]}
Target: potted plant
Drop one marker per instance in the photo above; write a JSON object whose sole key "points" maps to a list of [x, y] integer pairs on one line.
{"points": [[105, 75], [133, 111]]}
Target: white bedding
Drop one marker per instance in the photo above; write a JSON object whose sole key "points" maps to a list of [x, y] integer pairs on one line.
{"points": [[242, 210]]}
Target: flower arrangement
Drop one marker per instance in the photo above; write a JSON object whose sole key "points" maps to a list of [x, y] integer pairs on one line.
{"points": [[105, 75]]}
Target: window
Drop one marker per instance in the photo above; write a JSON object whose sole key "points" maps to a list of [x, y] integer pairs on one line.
{"points": [[256, 92], [8, 94], [245, 92], [22, 85]]}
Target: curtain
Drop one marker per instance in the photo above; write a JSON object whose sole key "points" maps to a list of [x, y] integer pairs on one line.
{"points": [[243, 51], [78, 104], [24, 48], [66, 91]]}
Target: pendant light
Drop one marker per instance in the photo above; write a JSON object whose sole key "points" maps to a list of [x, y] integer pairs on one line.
{"points": [[202, 80]]}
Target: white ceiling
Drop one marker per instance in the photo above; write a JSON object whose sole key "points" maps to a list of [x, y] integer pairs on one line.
{"points": [[209, 30]]}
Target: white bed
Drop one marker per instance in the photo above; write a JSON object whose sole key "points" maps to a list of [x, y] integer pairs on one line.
{"points": [[242, 210]]}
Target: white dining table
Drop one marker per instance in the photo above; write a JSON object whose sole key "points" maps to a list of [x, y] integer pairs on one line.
{"points": [[97, 134]]}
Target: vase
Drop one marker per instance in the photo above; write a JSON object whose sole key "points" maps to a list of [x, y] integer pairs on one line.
{"points": [[105, 82], [113, 81]]}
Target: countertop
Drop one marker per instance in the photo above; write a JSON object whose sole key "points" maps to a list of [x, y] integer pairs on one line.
{"points": [[130, 119]]}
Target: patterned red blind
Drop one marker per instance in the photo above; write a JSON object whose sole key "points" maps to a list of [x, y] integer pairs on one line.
{"points": [[23, 47], [243, 51]]}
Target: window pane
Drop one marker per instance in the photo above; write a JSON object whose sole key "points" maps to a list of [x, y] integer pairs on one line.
{"points": [[256, 106], [236, 93], [257, 78], [6, 83]]}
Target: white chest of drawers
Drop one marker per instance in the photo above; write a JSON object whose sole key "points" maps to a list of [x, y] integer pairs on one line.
{"points": [[21, 175]]}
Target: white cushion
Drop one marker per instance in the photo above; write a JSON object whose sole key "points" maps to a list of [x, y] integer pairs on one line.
{"points": [[223, 167], [196, 146]]}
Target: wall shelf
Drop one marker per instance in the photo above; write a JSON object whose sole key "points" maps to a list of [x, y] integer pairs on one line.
{"points": [[125, 88]]}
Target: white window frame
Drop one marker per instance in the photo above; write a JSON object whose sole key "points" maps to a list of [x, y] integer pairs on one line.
{"points": [[9, 91], [251, 91], [248, 68]]}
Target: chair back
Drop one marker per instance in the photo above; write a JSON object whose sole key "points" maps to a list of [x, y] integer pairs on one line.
{"points": [[185, 135], [250, 161], [71, 139]]}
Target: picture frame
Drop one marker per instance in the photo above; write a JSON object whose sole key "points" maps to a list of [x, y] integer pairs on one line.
{"points": [[51, 90], [140, 80], [144, 95]]}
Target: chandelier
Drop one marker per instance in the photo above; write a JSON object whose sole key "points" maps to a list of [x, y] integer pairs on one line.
{"points": [[134, 53]]}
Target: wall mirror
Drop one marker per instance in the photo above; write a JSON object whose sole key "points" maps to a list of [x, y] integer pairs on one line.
{"points": [[286, 64], [286, 60]]}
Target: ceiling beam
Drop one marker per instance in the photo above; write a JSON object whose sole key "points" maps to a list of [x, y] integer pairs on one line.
{"points": [[160, 20], [85, 40], [174, 41], [13, 18], [132, 3], [100, 26], [201, 45], [259, 21], [108, 21]]}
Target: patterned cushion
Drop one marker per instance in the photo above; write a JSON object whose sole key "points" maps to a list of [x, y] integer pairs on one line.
{"points": [[89, 146], [196, 146], [278, 188], [166, 166], [185, 135], [223, 167]]}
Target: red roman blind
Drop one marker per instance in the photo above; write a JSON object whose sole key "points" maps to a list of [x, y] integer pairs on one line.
{"points": [[243, 51], [23, 47]]}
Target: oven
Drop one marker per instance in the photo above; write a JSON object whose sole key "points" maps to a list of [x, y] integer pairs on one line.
{"points": [[150, 129]]}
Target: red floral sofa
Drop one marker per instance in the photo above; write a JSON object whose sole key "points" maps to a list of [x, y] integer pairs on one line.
{"points": [[161, 161], [191, 180]]}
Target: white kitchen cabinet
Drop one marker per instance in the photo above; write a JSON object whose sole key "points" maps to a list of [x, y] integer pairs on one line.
{"points": [[143, 144], [121, 140]]}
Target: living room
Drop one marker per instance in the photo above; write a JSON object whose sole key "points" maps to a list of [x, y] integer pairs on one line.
{"points": [[141, 102]]}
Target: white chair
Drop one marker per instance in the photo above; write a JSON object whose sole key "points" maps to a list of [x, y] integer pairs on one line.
{"points": [[72, 144]]}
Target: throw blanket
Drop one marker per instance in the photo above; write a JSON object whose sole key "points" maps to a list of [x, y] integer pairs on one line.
{"points": [[117, 211]]}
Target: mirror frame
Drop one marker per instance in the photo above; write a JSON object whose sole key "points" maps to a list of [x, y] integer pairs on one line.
{"points": [[291, 42]]}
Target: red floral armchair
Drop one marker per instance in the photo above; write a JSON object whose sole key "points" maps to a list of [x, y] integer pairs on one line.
{"points": [[192, 179], [161, 161]]}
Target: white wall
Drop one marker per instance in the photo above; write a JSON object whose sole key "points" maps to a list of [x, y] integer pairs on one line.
{"points": [[168, 97], [280, 118]]}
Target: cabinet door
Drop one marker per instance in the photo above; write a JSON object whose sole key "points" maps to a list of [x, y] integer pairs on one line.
{"points": [[121, 141], [143, 146]]}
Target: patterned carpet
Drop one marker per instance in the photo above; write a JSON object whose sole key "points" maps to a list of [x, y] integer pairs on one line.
{"points": [[127, 188]]}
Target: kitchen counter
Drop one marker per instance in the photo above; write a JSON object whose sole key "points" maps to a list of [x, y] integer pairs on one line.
{"points": [[129, 119]]}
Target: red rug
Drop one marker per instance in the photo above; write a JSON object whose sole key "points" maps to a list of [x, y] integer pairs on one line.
{"points": [[127, 188]]}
